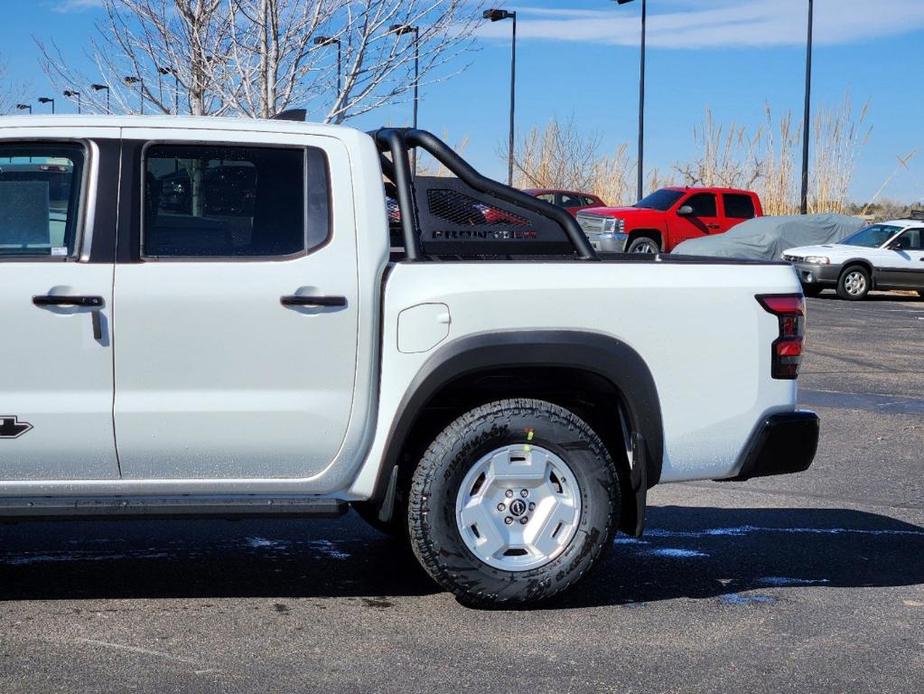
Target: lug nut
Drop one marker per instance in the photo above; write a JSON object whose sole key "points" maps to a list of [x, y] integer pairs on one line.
{"points": [[508, 493], [524, 493], [532, 506], [524, 520], [508, 520], [501, 507]]}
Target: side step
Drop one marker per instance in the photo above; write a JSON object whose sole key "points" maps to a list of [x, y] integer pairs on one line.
{"points": [[242, 506]]}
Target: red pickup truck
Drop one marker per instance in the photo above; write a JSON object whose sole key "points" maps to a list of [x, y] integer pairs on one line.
{"points": [[658, 222]]}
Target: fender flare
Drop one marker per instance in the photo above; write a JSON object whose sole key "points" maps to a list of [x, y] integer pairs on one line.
{"points": [[602, 355]]}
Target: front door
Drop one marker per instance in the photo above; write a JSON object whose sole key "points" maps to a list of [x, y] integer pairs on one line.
{"points": [[902, 264], [703, 220], [56, 350], [237, 308]]}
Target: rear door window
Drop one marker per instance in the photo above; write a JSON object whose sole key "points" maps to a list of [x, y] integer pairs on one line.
{"points": [[40, 195], [568, 200], [738, 206], [229, 201]]}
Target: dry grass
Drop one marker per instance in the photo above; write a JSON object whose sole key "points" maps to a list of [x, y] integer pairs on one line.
{"points": [[765, 158]]}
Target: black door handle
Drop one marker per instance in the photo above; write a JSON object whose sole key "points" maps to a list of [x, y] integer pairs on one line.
{"points": [[298, 300], [54, 300]]}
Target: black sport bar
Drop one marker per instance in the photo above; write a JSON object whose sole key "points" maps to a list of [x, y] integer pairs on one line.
{"points": [[398, 140]]}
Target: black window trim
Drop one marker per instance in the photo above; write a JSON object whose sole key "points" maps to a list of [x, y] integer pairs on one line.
{"points": [[298, 255], [86, 204]]}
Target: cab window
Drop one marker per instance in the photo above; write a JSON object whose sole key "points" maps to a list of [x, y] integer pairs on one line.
{"points": [[40, 192], [703, 204]]}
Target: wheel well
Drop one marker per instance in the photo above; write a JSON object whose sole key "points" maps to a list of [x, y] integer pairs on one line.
{"points": [[650, 233], [591, 396]]}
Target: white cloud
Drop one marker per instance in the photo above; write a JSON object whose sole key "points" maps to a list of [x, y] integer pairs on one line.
{"points": [[720, 23], [77, 5]]}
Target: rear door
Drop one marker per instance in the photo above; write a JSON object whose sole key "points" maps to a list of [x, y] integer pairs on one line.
{"points": [[56, 299], [737, 208], [237, 298]]}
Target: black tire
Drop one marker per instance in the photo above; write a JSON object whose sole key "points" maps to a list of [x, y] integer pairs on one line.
{"points": [[637, 244], [844, 282], [811, 289], [434, 533]]}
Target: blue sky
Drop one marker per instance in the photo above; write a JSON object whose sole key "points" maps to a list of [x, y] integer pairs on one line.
{"points": [[580, 59]]}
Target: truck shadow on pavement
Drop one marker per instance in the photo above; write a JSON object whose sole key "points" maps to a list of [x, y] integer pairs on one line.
{"points": [[729, 554]]}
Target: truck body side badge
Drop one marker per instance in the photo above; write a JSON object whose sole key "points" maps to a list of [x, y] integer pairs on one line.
{"points": [[11, 427]]}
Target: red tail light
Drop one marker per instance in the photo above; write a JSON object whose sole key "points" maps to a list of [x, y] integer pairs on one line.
{"points": [[786, 350]]}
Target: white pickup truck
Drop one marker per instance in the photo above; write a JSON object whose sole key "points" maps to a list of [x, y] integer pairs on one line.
{"points": [[224, 317]]}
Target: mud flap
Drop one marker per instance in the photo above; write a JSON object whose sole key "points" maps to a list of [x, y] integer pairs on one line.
{"points": [[638, 476]]}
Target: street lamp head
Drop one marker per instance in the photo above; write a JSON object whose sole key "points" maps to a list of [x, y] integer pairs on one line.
{"points": [[98, 87], [498, 15], [45, 100], [326, 41], [165, 70], [623, 2], [71, 93], [23, 107], [400, 29], [131, 80]]}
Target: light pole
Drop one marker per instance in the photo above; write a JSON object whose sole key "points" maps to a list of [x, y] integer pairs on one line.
{"points": [[24, 107], [496, 16], [330, 41], [641, 103], [130, 80], [803, 205], [400, 30], [70, 94], [47, 100], [99, 87], [176, 86]]}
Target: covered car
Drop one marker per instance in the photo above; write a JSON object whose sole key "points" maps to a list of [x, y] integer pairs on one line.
{"points": [[765, 238]]}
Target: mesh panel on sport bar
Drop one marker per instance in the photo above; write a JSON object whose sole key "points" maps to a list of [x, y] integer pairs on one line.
{"points": [[460, 209]]}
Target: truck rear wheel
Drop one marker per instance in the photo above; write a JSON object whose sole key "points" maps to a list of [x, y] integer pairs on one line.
{"points": [[643, 244], [513, 503]]}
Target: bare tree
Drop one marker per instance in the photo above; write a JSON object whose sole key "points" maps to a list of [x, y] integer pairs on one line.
{"points": [[558, 156], [10, 92], [258, 57]]}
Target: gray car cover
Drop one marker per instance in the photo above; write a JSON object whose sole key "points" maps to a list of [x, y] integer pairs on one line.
{"points": [[766, 238]]}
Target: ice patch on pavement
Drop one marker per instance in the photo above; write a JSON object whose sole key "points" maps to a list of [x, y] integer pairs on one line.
{"points": [[742, 530], [26, 559], [264, 543], [676, 553], [328, 549], [787, 581], [625, 540], [739, 599]]}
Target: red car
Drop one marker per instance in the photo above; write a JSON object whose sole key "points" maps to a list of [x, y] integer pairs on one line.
{"points": [[660, 221], [571, 201]]}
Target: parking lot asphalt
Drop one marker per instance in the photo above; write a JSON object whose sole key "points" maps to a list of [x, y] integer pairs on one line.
{"points": [[811, 582]]}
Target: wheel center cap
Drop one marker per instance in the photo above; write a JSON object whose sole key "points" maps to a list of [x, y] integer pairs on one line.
{"points": [[517, 507]]}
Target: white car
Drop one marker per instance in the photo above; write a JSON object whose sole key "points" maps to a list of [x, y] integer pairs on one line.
{"points": [[889, 255], [493, 393]]}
